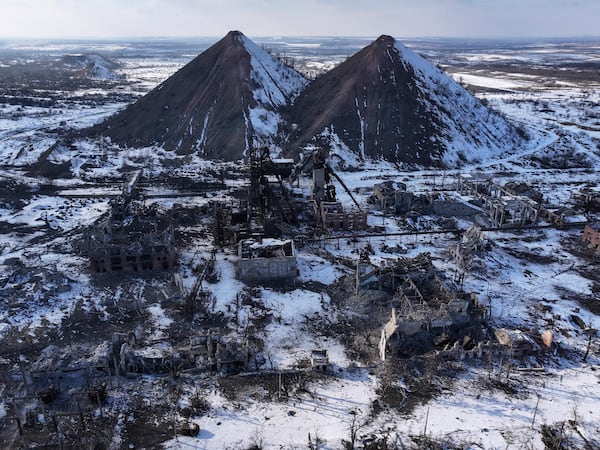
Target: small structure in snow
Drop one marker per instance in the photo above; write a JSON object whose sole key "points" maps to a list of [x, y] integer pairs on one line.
{"points": [[589, 199], [319, 361], [215, 353], [392, 197], [519, 342], [472, 244], [334, 217]]}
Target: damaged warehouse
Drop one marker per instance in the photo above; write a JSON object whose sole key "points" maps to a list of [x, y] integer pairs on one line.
{"points": [[502, 206], [269, 260], [425, 310]]}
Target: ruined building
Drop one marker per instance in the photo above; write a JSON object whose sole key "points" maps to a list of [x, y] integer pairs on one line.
{"points": [[267, 261], [426, 309], [502, 207], [267, 207], [234, 221], [216, 353], [132, 237], [319, 360], [334, 217], [471, 245], [331, 214], [209, 352], [589, 199], [392, 197]]}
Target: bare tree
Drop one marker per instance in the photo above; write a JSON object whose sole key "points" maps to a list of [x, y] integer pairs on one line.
{"points": [[353, 428], [257, 440], [315, 442]]}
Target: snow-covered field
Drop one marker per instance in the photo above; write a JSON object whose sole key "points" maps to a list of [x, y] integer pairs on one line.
{"points": [[530, 280]]}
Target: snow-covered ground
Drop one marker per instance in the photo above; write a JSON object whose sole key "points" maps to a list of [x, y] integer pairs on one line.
{"points": [[533, 281]]}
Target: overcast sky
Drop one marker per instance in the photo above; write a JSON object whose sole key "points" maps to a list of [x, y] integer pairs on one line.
{"points": [[400, 18]]}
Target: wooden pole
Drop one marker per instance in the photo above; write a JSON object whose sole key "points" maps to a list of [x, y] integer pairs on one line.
{"points": [[426, 420], [591, 333], [280, 387], [25, 383], [509, 364], [535, 410]]}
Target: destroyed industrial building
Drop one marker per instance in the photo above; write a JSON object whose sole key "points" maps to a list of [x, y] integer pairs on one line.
{"points": [[423, 305], [269, 260], [132, 237], [501, 206], [331, 214], [255, 223]]}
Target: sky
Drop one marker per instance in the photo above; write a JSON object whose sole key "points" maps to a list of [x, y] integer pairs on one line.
{"points": [[400, 18]]}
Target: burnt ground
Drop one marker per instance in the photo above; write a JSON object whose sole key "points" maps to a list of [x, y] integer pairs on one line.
{"points": [[589, 271], [47, 82]]}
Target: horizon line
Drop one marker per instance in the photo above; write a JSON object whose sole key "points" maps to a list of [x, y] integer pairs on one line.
{"points": [[325, 36]]}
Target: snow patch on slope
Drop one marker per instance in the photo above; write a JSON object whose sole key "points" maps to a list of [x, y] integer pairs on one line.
{"points": [[93, 66], [340, 155], [276, 85], [471, 129], [265, 124], [274, 91]]}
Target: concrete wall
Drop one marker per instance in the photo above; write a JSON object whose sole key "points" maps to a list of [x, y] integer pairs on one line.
{"points": [[115, 259], [333, 217], [259, 270], [454, 208]]}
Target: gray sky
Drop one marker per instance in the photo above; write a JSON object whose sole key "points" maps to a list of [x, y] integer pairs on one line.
{"points": [[401, 18]]}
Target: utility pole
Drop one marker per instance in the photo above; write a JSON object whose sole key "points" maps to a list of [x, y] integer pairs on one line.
{"points": [[535, 410], [426, 420], [591, 332]]}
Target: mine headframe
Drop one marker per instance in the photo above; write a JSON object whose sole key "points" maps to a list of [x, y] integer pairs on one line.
{"points": [[122, 205], [267, 192], [268, 204], [322, 188], [331, 214]]}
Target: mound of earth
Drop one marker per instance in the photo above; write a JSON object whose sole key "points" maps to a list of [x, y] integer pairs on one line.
{"points": [[218, 105], [387, 102], [93, 66]]}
